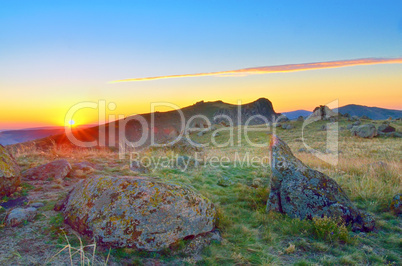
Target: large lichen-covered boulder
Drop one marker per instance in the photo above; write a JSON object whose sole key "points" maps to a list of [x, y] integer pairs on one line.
{"points": [[57, 170], [137, 212], [304, 193], [10, 175]]}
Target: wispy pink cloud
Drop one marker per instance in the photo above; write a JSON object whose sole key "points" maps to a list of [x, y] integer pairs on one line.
{"points": [[279, 68]]}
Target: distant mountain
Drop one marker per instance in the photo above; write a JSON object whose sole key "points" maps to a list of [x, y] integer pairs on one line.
{"points": [[8, 137], [295, 114], [374, 113], [166, 124]]}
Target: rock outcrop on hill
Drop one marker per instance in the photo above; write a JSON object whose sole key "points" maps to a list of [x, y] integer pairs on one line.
{"points": [[138, 212], [262, 108], [304, 193], [323, 112], [10, 175], [57, 169]]}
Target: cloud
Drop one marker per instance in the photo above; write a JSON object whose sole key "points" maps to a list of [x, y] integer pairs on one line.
{"points": [[278, 68]]}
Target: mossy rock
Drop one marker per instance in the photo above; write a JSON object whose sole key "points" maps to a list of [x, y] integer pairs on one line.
{"points": [[10, 174], [304, 193], [137, 212]]}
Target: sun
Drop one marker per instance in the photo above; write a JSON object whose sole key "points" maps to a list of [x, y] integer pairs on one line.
{"points": [[71, 123]]}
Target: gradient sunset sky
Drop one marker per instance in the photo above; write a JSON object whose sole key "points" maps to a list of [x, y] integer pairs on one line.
{"points": [[55, 54]]}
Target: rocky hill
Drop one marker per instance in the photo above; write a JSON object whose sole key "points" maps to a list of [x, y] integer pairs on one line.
{"points": [[166, 124]]}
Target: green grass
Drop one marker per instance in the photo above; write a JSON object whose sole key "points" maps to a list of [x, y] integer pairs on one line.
{"points": [[250, 236]]}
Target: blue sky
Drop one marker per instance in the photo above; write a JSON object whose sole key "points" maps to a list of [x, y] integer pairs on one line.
{"points": [[72, 49]]}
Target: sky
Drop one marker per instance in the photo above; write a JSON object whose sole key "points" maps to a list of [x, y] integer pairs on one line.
{"points": [[57, 55]]}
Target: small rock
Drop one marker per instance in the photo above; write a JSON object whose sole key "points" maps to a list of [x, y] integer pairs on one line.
{"points": [[385, 129], [350, 126], [184, 162], [136, 166], [201, 133], [57, 169], [396, 204], [20, 215], [357, 123], [225, 181], [364, 131], [300, 119], [36, 205], [378, 164]]}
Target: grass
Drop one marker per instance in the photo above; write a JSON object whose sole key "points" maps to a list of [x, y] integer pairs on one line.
{"points": [[250, 236]]}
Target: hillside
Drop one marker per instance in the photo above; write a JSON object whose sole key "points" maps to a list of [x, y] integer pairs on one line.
{"points": [[167, 124]]}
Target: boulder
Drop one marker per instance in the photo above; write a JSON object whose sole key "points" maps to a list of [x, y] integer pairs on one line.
{"points": [[304, 193], [287, 126], [10, 174], [137, 212], [19, 215], [364, 131], [57, 170], [357, 123], [396, 204], [385, 128], [300, 119]]}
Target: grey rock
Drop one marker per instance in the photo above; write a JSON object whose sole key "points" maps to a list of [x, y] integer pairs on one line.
{"points": [[136, 166], [378, 164], [364, 131], [357, 123], [385, 128], [302, 192], [396, 204], [201, 133], [350, 126], [225, 181], [184, 162], [36, 205], [19, 215], [57, 170], [302, 150], [137, 212]]}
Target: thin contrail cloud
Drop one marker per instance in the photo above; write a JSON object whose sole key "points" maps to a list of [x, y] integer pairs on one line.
{"points": [[279, 68]]}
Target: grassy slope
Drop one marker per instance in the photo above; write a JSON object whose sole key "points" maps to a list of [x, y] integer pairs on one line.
{"points": [[250, 236]]}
